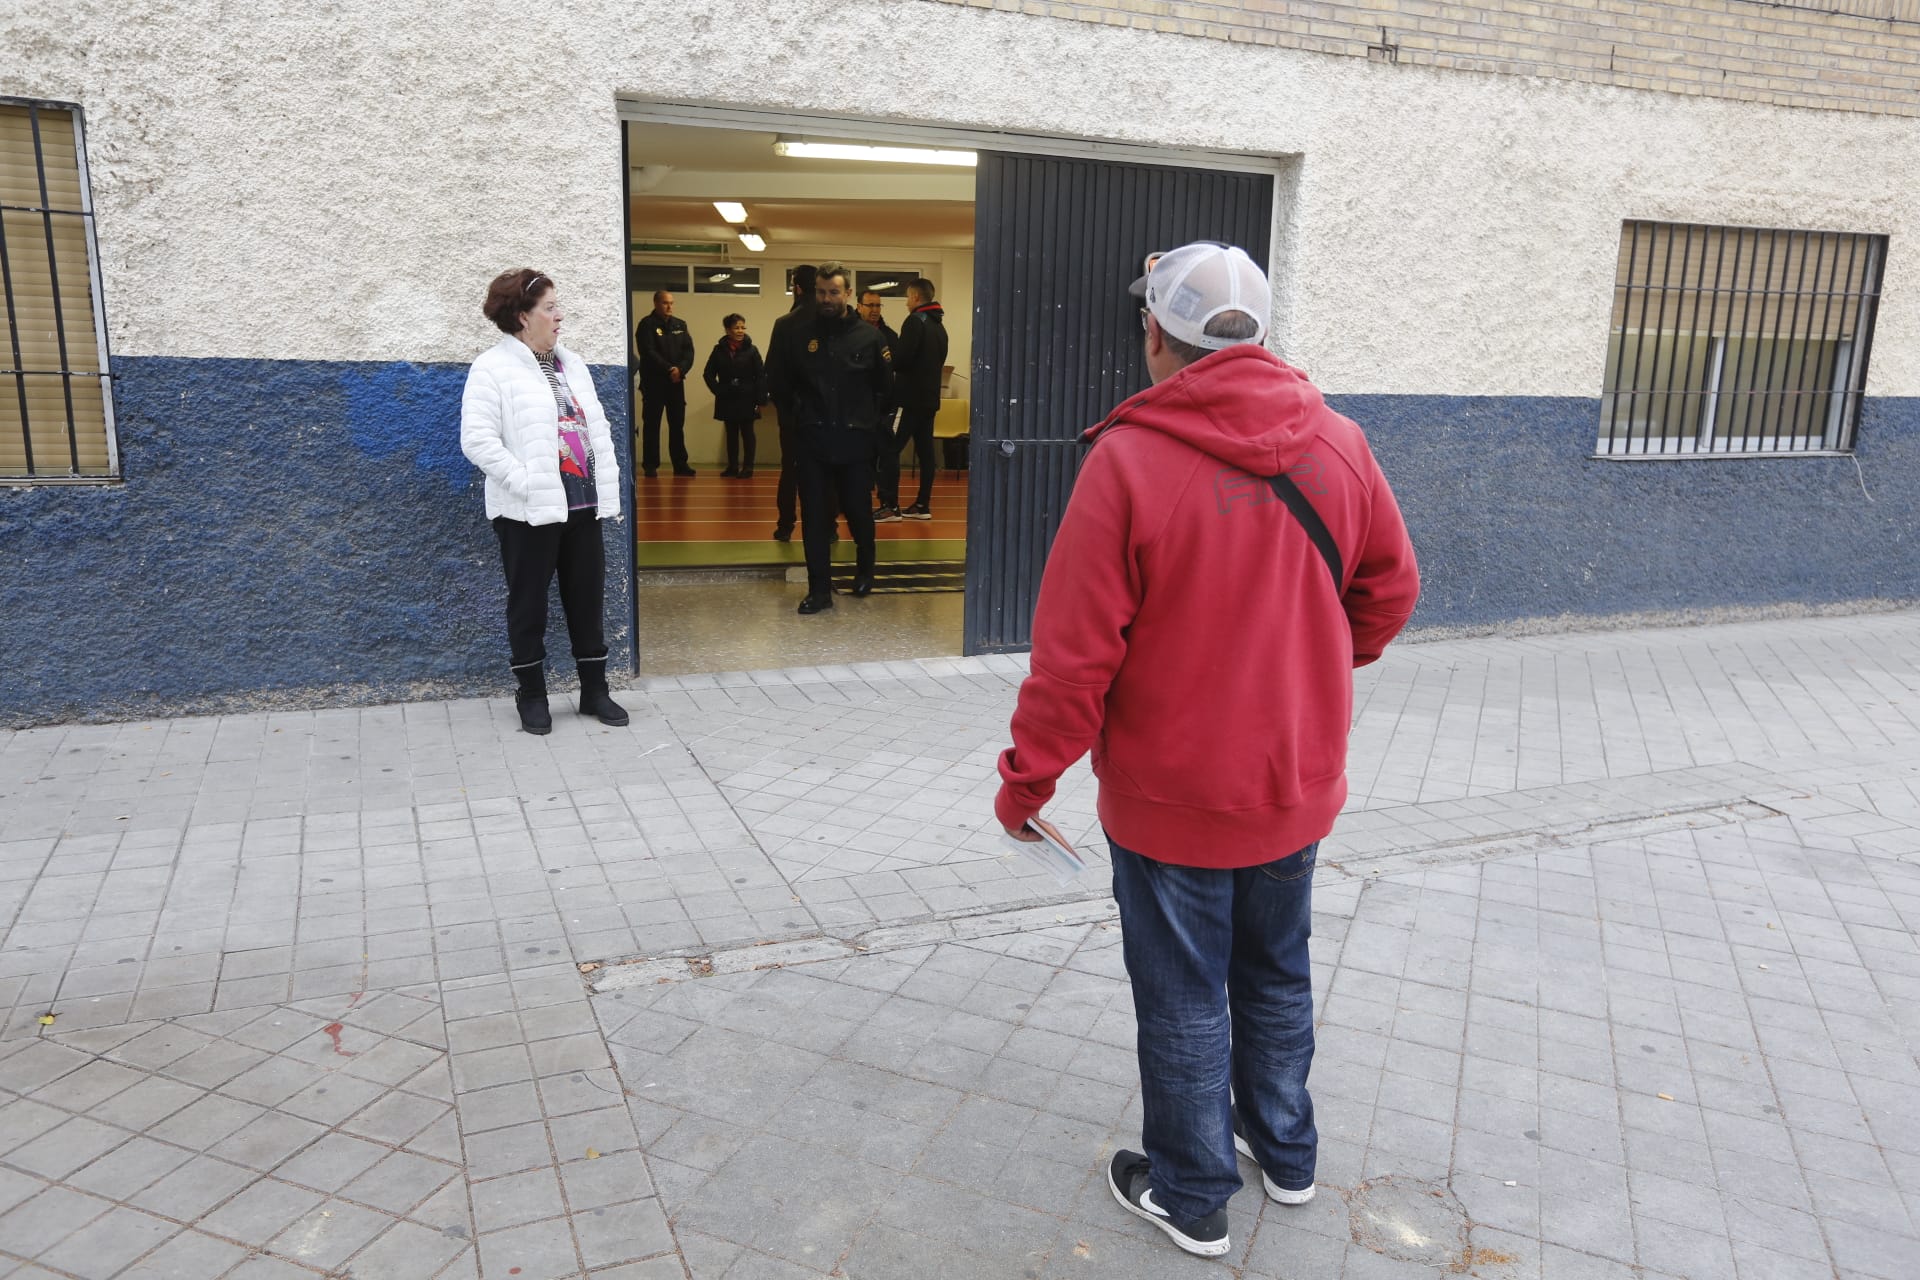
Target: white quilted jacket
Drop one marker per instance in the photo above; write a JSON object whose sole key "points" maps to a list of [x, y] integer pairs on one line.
{"points": [[510, 429]]}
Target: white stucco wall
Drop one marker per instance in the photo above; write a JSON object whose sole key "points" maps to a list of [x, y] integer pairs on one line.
{"points": [[339, 181]]}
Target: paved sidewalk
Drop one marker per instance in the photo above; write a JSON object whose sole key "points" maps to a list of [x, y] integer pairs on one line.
{"points": [[1616, 961]]}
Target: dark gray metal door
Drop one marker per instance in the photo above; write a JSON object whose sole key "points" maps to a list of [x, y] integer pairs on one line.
{"points": [[1056, 342]]}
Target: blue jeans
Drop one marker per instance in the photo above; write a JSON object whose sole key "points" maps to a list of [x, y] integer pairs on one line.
{"points": [[1223, 996]]}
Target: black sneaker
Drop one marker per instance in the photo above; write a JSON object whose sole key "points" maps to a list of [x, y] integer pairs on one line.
{"points": [[885, 515], [782, 535], [1275, 1192], [1127, 1179], [917, 512]]}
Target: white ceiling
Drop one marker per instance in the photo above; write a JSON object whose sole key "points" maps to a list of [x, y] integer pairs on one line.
{"points": [[741, 151], [677, 172]]}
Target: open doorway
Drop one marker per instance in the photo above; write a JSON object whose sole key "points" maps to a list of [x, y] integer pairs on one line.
{"points": [[719, 218]]}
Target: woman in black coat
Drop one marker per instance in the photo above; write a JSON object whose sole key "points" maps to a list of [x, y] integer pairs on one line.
{"points": [[737, 377]]}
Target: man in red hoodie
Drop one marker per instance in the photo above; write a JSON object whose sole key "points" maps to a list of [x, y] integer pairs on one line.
{"points": [[1231, 552]]}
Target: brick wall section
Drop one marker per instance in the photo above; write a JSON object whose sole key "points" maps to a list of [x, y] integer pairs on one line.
{"points": [[1742, 49]]}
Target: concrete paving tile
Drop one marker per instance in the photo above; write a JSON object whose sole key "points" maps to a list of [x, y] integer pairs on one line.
{"points": [[260, 1212], [44, 1221], [605, 1179], [109, 1244], [621, 1232], [400, 1182], [406, 1250], [192, 1189], [538, 1251], [326, 1236], [331, 1163], [189, 1255], [516, 1198]]}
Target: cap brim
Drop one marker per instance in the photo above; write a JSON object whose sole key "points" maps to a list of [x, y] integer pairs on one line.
{"points": [[1138, 288]]}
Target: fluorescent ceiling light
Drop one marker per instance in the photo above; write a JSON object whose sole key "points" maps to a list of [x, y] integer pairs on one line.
{"points": [[887, 155], [884, 284], [732, 210], [754, 241], [719, 276]]}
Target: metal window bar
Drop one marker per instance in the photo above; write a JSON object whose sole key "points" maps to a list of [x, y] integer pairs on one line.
{"points": [[1639, 350], [1813, 358], [1798, 366], [1668, 286], [1690, 395], [1741, 407], [1842, 368], [1866, 310], [1718, 343], [1777, 360]]}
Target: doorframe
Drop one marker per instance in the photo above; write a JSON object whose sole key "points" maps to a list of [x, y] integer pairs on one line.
{"points": [[632, 108], [639, 109]]}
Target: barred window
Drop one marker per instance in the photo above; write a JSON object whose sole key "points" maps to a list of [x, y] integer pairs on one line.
{"points": [[1737, 340], [56, 403]]}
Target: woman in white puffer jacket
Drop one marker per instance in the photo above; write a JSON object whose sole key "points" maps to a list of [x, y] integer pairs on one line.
{"points": [[530, 420]]}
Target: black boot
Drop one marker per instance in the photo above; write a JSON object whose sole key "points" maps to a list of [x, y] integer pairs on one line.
{"points": [[594, 698], [531, 700]]}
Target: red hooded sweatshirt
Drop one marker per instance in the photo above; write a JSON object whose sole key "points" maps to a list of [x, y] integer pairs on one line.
{"points": [[1189, 632]]}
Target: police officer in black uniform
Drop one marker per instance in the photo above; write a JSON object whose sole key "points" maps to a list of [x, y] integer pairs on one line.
{"points": [[834, 370], [666, 357]]}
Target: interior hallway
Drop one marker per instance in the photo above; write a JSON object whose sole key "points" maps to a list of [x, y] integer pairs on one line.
{"points": [[713, 521], [686, 629]]}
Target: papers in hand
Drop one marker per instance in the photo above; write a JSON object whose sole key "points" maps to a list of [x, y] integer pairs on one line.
{"points": [[1051, 851]]}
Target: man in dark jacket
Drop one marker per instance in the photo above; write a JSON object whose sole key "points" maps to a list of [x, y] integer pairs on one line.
{"points": [[831, 370], [666, 357], [919, 359], [787, 497]]}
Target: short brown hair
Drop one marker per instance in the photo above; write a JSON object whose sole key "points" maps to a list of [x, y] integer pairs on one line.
{"points": [[514, 293], [922, 286], [828, 270], [1228, 324]]}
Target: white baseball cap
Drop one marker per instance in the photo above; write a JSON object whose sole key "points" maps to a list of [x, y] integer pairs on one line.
{"points": [[1185, 288]]}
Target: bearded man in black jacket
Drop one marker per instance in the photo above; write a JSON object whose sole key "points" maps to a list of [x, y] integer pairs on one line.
{"points": [[834, 370]]}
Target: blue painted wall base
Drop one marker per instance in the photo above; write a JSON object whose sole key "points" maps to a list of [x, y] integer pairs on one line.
{"points": [[1514, 519], [287, 533], [296, 533]]}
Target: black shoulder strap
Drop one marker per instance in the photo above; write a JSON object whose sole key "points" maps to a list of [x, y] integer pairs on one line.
{"points": [[1288, 492]]}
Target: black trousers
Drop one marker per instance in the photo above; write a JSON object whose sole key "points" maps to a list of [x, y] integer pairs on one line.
{"points": [[916, 428], [823, 487], [532, 554], [789, 491], [671, 401], [739, 433]]}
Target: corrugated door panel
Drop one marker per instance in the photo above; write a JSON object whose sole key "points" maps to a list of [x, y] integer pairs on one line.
{"points": [[1057, 342]]}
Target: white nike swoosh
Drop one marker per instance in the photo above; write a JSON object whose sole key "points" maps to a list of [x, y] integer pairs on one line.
{"points": [[1146, 1202]]}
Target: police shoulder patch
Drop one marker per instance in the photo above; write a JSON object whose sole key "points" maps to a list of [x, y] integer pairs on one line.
{"points": [[886, 353], [814, 345]]}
